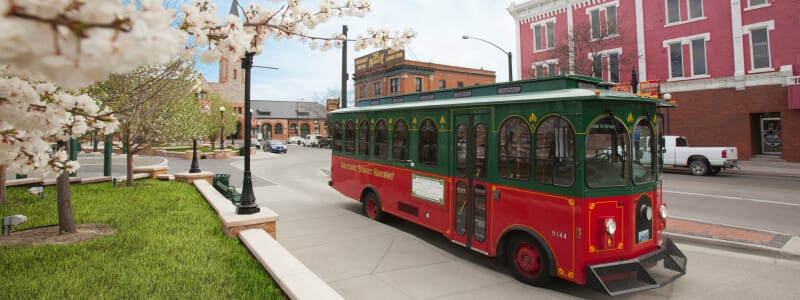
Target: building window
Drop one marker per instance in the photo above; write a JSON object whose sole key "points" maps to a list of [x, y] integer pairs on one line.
{"points": [[394, 85], [759, 48], [460, 84], [418, 84], [611, 20], [539, 70], [673, 11], [442, 84], [551, 69], [613, 67], [515, 149], [400, 141], [363, 138], [428, 143], [544, 35], [676, 60], [695, 9], [362, 91], [597, 66], [595, 19], [752, 3], [377, 89], [381, 139], [278, 129], [350, 137], [555, 152], [698, 57]]}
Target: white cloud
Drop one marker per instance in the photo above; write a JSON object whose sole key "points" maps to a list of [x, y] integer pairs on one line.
{"points": [[311, 74]]}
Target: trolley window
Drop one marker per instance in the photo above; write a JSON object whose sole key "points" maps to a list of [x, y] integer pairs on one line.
{"points": [[363, 138], [428, 143], [644, 153], [350, 137], [555, 152], [606, 148], [381, 140], [337, 135], [515, 149], [400, 141]]}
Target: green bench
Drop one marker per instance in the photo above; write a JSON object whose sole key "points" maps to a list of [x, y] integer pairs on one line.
{"points": [[221, 184]]}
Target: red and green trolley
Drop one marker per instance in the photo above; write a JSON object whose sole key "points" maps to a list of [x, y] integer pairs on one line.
{"points": [[559, 176]]}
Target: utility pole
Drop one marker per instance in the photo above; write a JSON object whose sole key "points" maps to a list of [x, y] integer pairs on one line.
{"points": [[344, 68]]}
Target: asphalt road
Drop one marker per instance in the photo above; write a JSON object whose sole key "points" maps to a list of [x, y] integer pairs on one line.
{"points": [[759, 202]]}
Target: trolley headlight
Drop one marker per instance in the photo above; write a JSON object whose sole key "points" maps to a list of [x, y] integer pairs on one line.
{"points": [[647, 213], [611, 226], [663, 211]]}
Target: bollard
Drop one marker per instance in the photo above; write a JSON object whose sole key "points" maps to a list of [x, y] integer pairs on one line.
{"points": [[12, 221]]}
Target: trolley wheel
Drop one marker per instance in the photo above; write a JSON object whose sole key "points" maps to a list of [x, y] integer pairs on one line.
{"points": [[699, 167], [528, 260], [371, 207]]}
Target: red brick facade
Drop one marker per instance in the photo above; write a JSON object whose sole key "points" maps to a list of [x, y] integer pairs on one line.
{"points": [[414, 76]]}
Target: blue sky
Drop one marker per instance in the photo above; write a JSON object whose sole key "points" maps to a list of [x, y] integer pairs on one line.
{"points": [[312, 75]]}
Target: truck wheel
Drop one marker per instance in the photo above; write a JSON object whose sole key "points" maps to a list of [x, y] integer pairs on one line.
{"points": [[699, 167]]}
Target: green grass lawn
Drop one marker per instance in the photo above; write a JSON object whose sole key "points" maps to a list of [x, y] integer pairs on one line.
{"points": [[168, 244]]}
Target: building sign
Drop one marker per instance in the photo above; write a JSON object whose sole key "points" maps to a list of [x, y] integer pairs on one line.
{"points": [[333, 104], [378, 59]]}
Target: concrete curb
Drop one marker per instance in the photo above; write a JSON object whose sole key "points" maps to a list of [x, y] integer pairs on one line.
{"points": [[789, 251]]}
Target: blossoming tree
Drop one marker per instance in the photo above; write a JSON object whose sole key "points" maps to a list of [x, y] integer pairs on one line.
{"points": [[45, 44]]}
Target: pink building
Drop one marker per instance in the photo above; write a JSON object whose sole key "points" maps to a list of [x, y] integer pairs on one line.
{"points": [[731, 65]]}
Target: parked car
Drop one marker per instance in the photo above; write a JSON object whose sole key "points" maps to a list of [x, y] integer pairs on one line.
{"points": [[275, 146], [254, 142], [325, 142], [311, 140], [295, 140], [699, 160]]}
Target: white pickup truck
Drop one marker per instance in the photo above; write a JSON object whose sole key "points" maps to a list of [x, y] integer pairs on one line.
{"points": [[699, 160]]}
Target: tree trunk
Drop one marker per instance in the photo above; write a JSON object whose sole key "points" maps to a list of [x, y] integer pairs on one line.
{"points": [[66, 224], [129, 163], [3, 198]]}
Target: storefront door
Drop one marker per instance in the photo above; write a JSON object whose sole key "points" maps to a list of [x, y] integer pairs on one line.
{"points": [[771, 142]]}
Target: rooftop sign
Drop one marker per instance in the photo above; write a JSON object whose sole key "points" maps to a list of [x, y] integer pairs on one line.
{"points": [[378, 59]]}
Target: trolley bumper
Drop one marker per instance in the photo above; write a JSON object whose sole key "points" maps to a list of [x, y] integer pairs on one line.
{"points": [[649, 271]]}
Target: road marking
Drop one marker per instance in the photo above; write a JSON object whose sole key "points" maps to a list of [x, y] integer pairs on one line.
{"points": [[735, 198]]}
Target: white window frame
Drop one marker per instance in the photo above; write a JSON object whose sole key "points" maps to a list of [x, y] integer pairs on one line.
{"points": [[769, 25], [682, 21], [545, 66], [689, 11], [687, 40], [543, 24], [604, 61], [752, 7], [602, 9]]}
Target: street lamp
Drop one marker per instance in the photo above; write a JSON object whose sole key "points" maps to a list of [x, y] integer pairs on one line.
{"points": [[247, 204], [510, 78], [222, 128]]}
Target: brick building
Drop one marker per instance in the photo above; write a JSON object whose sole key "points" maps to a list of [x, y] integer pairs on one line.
{"points": [[276, 119], [731, 65], [387, 72]]}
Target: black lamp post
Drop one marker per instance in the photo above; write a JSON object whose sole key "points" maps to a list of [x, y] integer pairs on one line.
{"points": [[195, 168], [222, 128], [510, 78], [247, 205], [634, 81]]}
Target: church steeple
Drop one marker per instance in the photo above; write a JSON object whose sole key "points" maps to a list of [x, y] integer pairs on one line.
{"points": [[234, 8]]}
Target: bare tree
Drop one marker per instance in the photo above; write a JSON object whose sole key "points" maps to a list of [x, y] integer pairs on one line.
{"points": [[583, 50]]}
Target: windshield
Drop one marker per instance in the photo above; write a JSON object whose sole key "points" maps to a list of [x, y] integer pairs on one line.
{"points": [[276, 143], [606, 153]]}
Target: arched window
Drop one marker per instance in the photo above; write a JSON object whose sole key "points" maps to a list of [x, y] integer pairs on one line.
{"points": [[606, 153], [278, 129], [363, 138], [337, 136], [428, 143], [381, 140], [304, 130], [515, 149], [267, 131], [400, 141], [350, 137], [555, 152], [644, 152]]}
